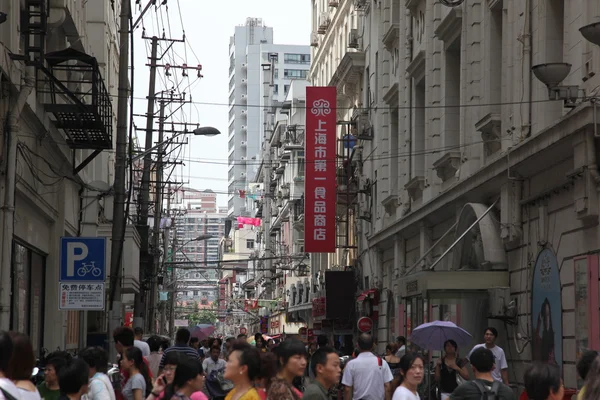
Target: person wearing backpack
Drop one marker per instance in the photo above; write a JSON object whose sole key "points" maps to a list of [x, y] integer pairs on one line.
{"points": [[483, 387]]}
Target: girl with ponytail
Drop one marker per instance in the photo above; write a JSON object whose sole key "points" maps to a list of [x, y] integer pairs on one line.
{"points": [[138, 385]]}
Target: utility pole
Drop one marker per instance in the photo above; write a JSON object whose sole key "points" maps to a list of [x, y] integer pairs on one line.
{"points": [[167, 257], [173, 281], [142, 225], [151, 320], [119, 218]]}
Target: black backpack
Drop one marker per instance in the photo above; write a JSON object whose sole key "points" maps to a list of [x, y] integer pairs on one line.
{"points": [[487, 392]]}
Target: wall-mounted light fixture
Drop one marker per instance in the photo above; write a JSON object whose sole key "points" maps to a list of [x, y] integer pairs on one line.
{"points": [[591, 33], [551, 75]]}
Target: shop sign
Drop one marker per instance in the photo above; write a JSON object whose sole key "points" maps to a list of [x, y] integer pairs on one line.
{"points": [[546, 310], [81, 296], [275, 324], [412, 286], [243, 331], [365, 324], [320, 194], [318, 307]]}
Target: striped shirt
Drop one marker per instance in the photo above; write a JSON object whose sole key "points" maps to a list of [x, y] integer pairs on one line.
{"points": [[185, 349]]}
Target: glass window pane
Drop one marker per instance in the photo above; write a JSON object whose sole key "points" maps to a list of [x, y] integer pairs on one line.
{"points": [[37, 293], [20, 288], [581, 306]]}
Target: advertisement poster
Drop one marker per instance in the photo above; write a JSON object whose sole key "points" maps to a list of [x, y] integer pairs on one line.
{"points": [[546, 310], [320, 185]]}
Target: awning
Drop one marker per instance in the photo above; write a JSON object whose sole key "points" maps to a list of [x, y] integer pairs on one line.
{"points": [[373, 293]]}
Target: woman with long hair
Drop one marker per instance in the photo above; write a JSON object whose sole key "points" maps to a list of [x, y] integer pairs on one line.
{"points": [[188, 381], [543, 341], [291, 355], [243, 368], [448, 368], [543, 382], [21, 366], [138, 385], [412, 369]]}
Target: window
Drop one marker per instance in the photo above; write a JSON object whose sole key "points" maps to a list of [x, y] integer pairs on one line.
{"points": [[295, 73], [300, 164], [196, 293], [28, 294], [276, 89], [276, 73], [286, 88], [249, 243], [290, 58]]}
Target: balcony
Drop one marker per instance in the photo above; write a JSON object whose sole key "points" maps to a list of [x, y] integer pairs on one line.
{"points": [[293, 138], [73, 91], [349, 71]]}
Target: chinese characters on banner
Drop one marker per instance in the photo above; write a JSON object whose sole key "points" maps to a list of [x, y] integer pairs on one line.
{"points": [[320, 195]]}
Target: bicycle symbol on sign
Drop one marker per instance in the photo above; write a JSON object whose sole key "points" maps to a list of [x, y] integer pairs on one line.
{"points": [[87, 268]]}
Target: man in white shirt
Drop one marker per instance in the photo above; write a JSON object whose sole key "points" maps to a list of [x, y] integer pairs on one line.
{"points": [[500, 371], [8, 390], [213, 362], [401, 341], [367, 377], [139, 343]]}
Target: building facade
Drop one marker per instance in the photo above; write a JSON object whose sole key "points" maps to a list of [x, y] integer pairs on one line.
{"points": [[47, 189], [476, 167], [250, 47], [198, 216]]}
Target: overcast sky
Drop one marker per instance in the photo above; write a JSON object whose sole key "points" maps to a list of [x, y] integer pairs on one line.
{"points": [[208, 26]]}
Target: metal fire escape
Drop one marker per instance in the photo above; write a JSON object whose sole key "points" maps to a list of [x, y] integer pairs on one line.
{"points": [[70, 86]]}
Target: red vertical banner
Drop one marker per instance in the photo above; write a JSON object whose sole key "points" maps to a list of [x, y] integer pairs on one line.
{"points": [[320, 186]]}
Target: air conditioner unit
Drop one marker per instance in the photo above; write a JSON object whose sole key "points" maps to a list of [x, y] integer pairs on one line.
{"points": [[243, 158], [244, 65], [242, 174], [244, 81], [244, 96], [244, 127], [243, 143], [353, 39], [244, 112]]}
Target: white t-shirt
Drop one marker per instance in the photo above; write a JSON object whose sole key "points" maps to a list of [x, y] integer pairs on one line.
{"points": [[143, 346], [403, 393], [499, 360], [366, 377], [10, 388], [209, 365]]}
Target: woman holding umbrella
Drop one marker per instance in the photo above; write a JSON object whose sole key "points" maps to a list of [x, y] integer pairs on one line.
{"points": [[449, 368]]}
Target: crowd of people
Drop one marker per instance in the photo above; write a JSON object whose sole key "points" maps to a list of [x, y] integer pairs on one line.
{"points": [[235, 369]]}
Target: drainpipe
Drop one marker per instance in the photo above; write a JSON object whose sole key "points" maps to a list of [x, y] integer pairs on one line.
{"points": [[8, 206], [527, 72], [408, 55]]}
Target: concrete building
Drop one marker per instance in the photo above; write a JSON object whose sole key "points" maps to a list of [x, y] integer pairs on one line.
{"points": [[198, 216], [46, 191], [249, 49], [478, 169]]}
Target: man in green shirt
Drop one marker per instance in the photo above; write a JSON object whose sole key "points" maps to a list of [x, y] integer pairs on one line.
{"points": [[49, 389], [325, 364]]}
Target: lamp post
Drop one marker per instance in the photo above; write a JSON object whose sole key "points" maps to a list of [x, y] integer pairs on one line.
{"points": [[203, 131], [174, 279]]}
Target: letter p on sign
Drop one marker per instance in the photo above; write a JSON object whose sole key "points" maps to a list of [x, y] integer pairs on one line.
{"points": [[76, 251]]}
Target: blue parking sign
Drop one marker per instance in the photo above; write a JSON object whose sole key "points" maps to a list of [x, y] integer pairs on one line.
{"points": [[82, 259]]}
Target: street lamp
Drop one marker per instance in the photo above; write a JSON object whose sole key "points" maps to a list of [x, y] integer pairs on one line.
{"points": [[203, 131]]}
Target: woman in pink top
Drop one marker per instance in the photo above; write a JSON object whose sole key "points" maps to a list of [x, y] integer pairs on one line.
{"points": [[186, 385]]}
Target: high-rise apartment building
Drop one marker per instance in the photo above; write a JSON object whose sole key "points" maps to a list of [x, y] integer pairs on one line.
{"points": [[250, 48], [199, 216]]}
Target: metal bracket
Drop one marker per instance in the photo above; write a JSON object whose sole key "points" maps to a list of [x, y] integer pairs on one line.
{"points": [[85, 162]]}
